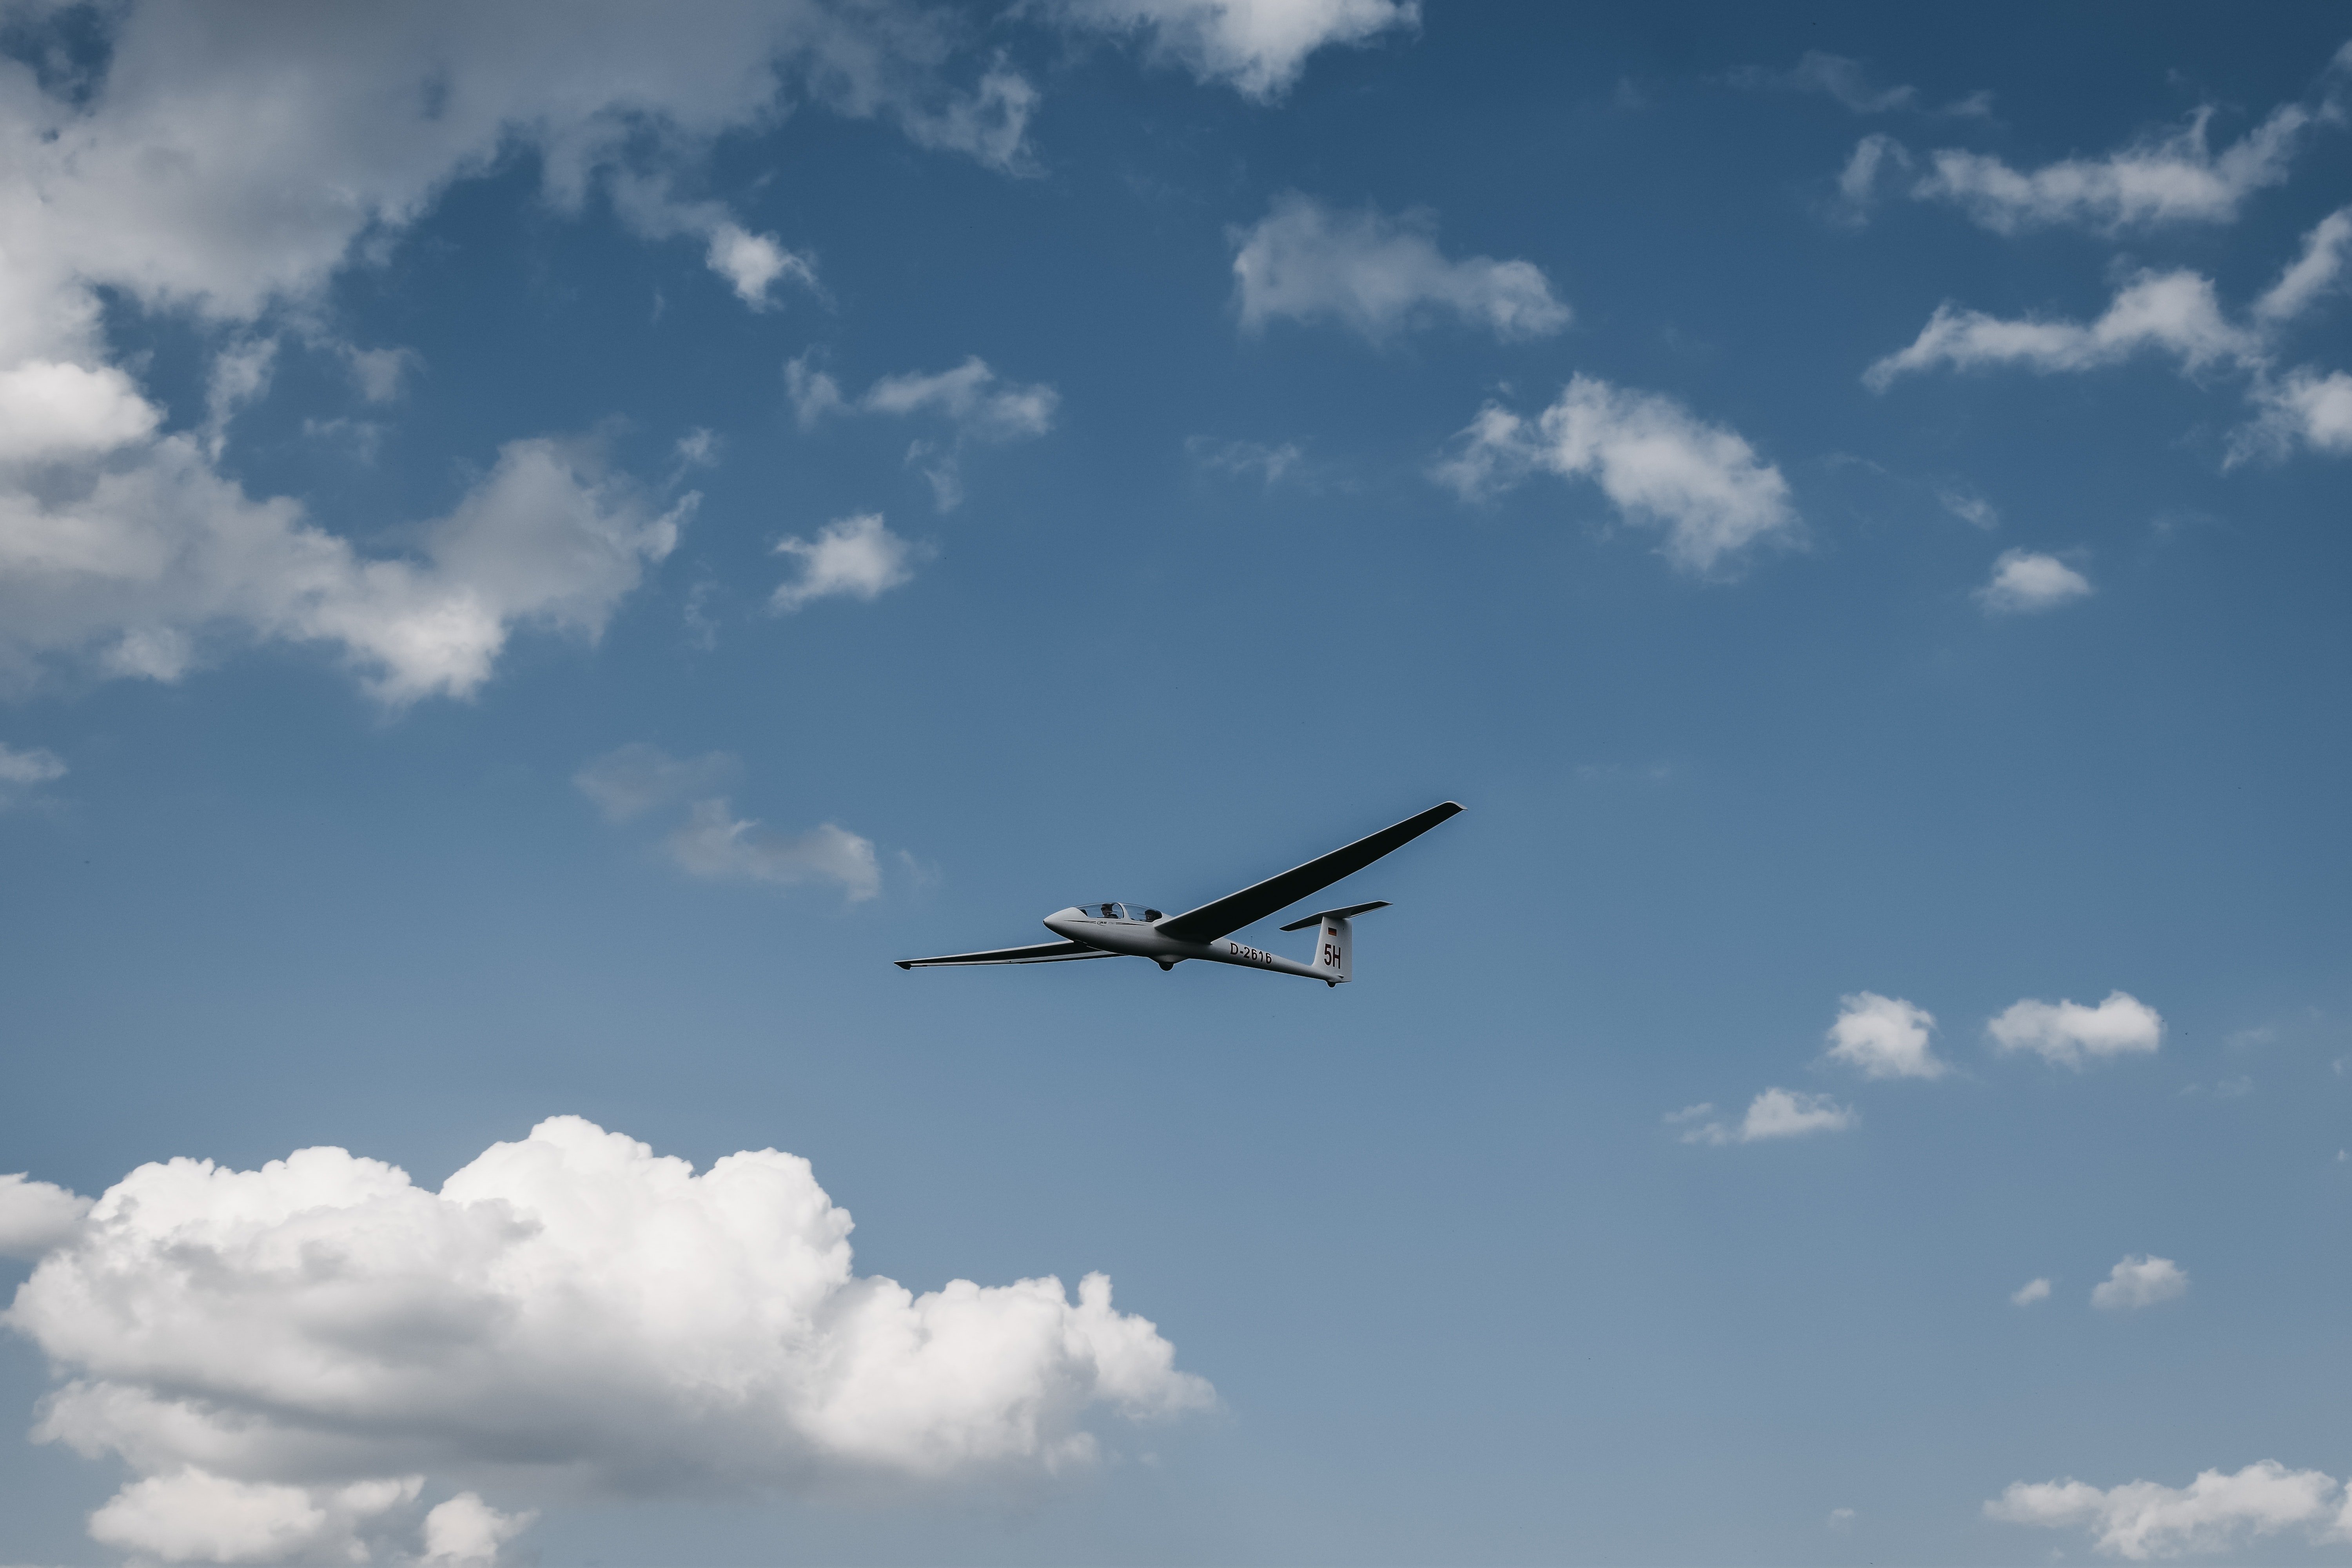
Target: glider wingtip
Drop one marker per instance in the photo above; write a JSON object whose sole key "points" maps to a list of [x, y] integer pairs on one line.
{"points": [[904, 963]]}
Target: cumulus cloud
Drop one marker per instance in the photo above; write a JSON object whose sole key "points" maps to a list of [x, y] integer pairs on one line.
{"points": [[2215, 1512], [629, 780], [1377, 274], [289, 1359], [1662, 466], [2070, 1035], [1885, 1037], [2025, 581], [713, 843], [1257, 47], [2029, 1293], [2137, 1282], [1775, 1113], [132, 568], [980, 408], [2167, 179], [223, 168], [36, 1216], [855, 557], [2170, 312]]}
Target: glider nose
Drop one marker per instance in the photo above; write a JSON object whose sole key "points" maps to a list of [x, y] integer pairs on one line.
{"points": [[1063, 923]]}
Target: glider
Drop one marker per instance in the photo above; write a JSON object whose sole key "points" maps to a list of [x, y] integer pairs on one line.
{"points": [[1131, 931]]}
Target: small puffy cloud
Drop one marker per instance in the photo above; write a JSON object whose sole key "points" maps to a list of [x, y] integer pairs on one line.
{"points": [[2070, 1035], [2137, 1282], [2025, 581], [854, 557], [1841, 1518], [1662, 466], [1257, 47], [1775, 1113], [753, 262], [2171, 312], [1377, 274], [2174, 179], [288, 1358], [2032, 1290], [1885, 1037], [714, 844], [36, 1216], [631, 780], [2215, 1512]]}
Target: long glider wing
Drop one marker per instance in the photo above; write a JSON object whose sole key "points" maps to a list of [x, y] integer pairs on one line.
{"points": [[1252, 904], [1043, 953]]}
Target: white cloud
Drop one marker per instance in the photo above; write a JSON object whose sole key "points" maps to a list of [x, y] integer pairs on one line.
{"points": [[36, 1216], [2025, 581], [1775, 1113], [1885, 1037], [1377, 274], [230, 166], [980, 408], [2310, 275], [2029, 1293], [2173, 313], [2215, 1512], [195, 1516], [2174, 179], [2070, 1034], [855, 557], [465, 1530], [51, 410], [713, 843], [2137, 1282], [631, 780], [1841, 1518], [133, 566], [2303, 406], [383, 373], [1662, 466], [285, 1357], [1257, 47]]}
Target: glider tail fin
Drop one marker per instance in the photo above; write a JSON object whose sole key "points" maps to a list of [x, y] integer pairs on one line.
{"points": [[1331, 949]]}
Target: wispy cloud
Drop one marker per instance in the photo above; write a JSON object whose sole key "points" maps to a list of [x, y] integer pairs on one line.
{"points": [[978, 406], [1703, 485]]}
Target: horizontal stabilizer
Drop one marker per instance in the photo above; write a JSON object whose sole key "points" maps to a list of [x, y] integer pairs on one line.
{"points": [[1252, 904], [1043, 953], [1347, 913]]}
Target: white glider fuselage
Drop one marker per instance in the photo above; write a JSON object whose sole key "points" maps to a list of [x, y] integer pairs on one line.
{"points": [[1143, 939]]}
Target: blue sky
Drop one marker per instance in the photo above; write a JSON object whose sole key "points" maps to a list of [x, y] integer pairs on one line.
{"points": [[540, 550]]}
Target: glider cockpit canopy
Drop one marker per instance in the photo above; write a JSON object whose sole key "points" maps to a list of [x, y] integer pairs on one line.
{"points": [[1119, 912]]}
